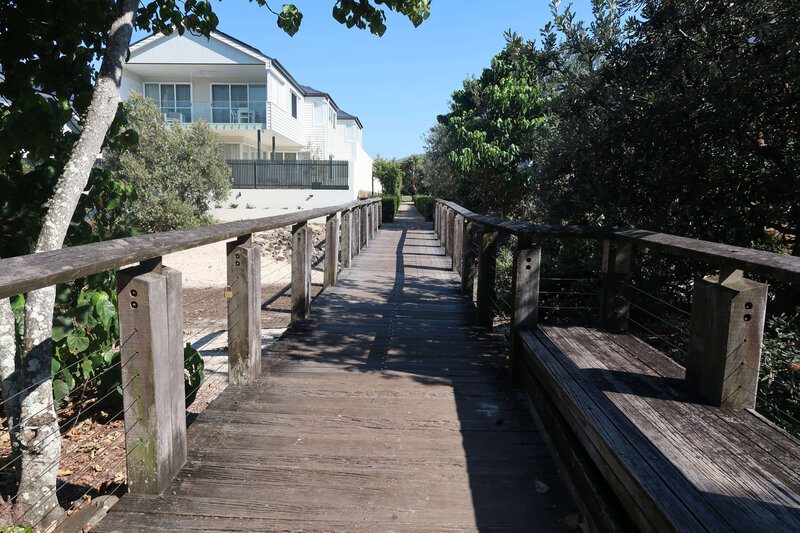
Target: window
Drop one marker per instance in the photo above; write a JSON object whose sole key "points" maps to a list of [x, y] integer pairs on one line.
{"points": [[242, 103], [319, 113], [174, 99], [294, 105], [350, 132]]}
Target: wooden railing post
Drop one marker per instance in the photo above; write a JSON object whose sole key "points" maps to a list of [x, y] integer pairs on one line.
{"points": [[151, 351], [614, 297], [363, 228], [727, 327], [487, 263], [469, 257], [331, 250], [301, 272], [379, 207], [244, 310], [458, 241], [376, 208], [347, 238], [525, 312], [436, 218], [356, 231], [451, 231]]}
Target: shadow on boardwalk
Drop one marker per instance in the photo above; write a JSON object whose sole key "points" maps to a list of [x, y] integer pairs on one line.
{"points": [[387, 411]]}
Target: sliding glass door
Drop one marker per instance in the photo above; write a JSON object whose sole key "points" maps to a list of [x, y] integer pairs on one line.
{"points": [[238, 103]]}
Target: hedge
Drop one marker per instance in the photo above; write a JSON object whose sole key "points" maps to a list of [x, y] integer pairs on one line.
{"points": [[424, 205], [390, 205]]}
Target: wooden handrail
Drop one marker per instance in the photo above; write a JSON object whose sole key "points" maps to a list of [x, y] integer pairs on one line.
{"points": [[780, 266], [28, 272]]}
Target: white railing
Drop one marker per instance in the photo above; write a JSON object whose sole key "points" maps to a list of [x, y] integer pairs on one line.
{"points": [[236, 115]]}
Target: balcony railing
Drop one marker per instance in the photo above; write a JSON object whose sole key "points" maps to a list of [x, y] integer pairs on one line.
{"points": [[260, 174], [235, 115]]}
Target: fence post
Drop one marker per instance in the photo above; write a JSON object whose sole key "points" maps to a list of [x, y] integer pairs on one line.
{"points": [[727, 327], [347, 238], [151, 350], [331, 250], [458, 244], [244, 310], [487, 264], [376, 219], [255, 171], [451, 229], [301, 272], [380, 214], [436, 218], [525, 307], [363, 229], [469, 258], [614, 297]]}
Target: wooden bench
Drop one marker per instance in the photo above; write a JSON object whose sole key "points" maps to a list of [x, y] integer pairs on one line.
{"points": [[669, 463]]}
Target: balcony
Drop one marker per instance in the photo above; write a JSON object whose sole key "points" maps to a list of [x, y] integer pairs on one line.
{"points": [[260, 174], [235, 115]]}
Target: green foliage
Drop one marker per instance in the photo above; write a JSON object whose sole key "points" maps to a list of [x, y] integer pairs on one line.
{"points": [[779, 387], [390, 204], [413, 169], [361, 13], [425, 205], [489, 131], [17, 529], [176, 173], [389, 173], [194, 374]]}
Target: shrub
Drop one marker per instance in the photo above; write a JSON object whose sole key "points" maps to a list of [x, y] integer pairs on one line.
{"points": [[779, 389], [390, 204], [424, 205]]}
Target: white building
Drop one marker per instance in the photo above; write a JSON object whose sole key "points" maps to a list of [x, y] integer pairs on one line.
{"points": [[289, 145]]}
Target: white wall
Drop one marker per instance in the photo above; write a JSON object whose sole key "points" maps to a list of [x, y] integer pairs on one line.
{"points": [[191, 49], [269, 202]]}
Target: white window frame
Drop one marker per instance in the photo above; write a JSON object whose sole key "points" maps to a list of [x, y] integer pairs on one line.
{"points": [[175, 90], [230, 102], [350, 132], [321, 121]]}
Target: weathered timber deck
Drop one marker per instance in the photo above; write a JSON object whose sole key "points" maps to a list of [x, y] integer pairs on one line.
{"points": [[674, 463], [386, 411]]}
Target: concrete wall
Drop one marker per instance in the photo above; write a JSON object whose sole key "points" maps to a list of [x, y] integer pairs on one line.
{"points": [[270, 202]]}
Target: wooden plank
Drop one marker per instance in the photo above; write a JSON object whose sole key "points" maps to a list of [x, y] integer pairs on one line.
{"points": [[244, 312], [152, 435], [331, 273], [780, 266], [615, 446], [384, 411], [727, 327], [694, 438], [22, 274], [347, 238], [525, 304], [301, 272], [469, 259], [487, 264], [614, 295]]}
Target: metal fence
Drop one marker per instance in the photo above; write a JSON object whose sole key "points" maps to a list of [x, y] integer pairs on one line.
{"points": [[261, 174]]}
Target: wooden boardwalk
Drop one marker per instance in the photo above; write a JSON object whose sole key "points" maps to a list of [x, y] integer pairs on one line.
{"points": [[386, 411]]}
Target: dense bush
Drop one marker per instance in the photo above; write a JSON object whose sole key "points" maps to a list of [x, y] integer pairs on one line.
{"points": [[390, 204], [389, 173], [424, 205], [177, 173]]}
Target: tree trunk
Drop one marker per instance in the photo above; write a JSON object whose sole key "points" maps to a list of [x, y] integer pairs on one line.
{"points": [[40, 439], [9, 373]]}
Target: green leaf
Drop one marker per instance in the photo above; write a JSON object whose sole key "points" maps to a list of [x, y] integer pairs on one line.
{"points": [[105, 310], [77, 341], [69, 379], [87, 368], [55, 366], [60, 390]]}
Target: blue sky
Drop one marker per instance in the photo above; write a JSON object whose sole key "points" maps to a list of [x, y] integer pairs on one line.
{"points": [[398, 83]]}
